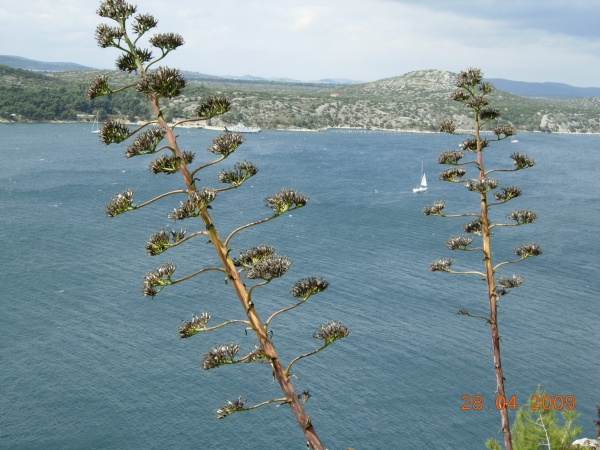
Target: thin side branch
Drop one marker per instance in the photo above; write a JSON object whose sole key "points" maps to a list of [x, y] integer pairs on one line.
{"points": [[284, 310], [248, 225], [197, 233], [198, 273], [226, 323], [206, 165], [507, 262], [287, 371], [474, 272], [256, 285], [179, 191]]}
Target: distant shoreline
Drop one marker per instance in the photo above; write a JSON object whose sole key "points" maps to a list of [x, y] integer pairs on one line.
{"points": [[379, 130]]}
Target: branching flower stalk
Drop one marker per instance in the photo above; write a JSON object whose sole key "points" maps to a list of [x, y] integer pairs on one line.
{"points": [[473, 93], [259, 263]]}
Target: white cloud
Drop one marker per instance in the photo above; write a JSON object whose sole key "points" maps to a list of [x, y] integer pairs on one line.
{"points": [[310, 39]]}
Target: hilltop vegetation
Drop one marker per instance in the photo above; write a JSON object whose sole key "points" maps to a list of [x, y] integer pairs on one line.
{"points": [[414, 101]]}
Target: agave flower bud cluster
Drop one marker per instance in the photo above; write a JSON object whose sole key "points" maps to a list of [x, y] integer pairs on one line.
{"points": [[220, 355], [127, 61], [488, 114], [331, 332], [170, 164], [522, 216], [435, 209], [481, 185], [512, 282], [143, 23], [145, 142], [285, 200], [225, 144], [166, 41], [470, 145], [469, 78], [253, 255], [458, 242], [108, 36], [522, 161], [256, 355], [528, 250], [240, 173], [441, 265], [506, 194], [474, 227], [272, 266], [159, 242], [197, 201], [194, 326], [120, 203], [453, 174], [306, 287], [118, 10], [504, 131], [450, 157], [213, 106], [165, 82], [231, 408], [113, 132], [155, 280], [98, 87]]}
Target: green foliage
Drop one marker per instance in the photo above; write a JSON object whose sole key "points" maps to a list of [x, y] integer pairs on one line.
{"points": [[535, 430]]}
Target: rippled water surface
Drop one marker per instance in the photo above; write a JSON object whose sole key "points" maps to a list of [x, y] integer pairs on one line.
{"points": [[87, 362]]}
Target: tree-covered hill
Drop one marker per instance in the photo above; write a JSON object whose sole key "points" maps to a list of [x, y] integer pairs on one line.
{"points": [[414, 101]]}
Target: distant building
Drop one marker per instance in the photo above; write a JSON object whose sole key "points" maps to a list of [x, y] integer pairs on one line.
{"points": [[335, 95]]}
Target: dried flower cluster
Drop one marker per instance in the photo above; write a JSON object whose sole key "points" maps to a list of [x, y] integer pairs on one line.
{"points": [[510, 283], [197, 201], [272, 266], [154, 281], [331, 332], [145, 142], [468, 78], [447, 126], [143, 23], [522, 216], [166, 41], [108, 36], [506, 194], [120, 203], [504, 131], [450, 157], [285, 200], [522, 161], [194, 326], [169, 164], [458, 242], [113, 132], [226, 143], [165, 82], [252, 255], [474, 227], [481, 185], [435, 209], [220, 355], [453, 174], [489, 114], [159, 242], [127, 62], [470, 145], [213, 106], [118, 10], [240, 173], [527, 250], [306, 287], [441, 265], [98, 87], [230, 408]]}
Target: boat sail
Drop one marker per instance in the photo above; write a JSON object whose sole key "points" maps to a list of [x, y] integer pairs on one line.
{"points": [[423, 186], [95, 128]]}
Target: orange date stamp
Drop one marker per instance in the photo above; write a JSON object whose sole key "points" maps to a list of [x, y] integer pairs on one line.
{"points": [[558, 402]]}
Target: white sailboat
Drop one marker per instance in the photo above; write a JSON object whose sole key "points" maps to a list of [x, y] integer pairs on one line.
{"points": [[423, 186], [95, 127]]}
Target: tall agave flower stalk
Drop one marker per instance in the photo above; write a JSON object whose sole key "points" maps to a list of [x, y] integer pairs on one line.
{"points": [[259, 265], [473, 94]]}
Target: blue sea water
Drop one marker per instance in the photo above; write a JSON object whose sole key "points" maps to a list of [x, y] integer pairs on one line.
{"points": [[87, 362]]}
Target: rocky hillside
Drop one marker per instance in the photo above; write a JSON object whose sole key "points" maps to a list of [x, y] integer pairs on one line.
{"points": [[414, 101]]}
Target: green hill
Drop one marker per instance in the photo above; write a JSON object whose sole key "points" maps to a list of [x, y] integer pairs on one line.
{"points": [[414, 101]]}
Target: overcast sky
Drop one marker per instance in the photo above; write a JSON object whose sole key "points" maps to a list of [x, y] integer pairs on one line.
{"points": [[525, 40]]}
